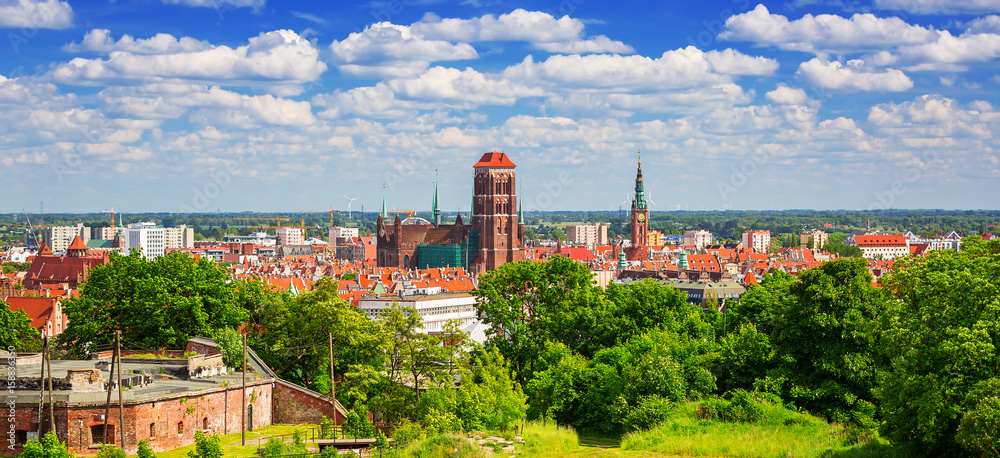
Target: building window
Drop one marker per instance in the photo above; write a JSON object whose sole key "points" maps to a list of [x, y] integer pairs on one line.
{"points": [[204, 423], [152, 430], [97, 434], [180, 427]]}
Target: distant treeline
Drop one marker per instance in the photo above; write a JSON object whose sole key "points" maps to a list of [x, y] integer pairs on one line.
{"points": [[724, 224]]}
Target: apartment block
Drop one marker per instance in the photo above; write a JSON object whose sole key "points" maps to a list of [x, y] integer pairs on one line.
{"points": [[59, 237], [699, 239], [589, 235], [342, 232], [290, 236], [820, 239], [147, 238], [178, 237], [759, 241]]}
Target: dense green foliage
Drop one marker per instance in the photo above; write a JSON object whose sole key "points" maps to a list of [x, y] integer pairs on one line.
{"points": [[206, 446], [110, 451], [914, 358], [155, 304], [16, 330], [943, 336], [48, 447]]}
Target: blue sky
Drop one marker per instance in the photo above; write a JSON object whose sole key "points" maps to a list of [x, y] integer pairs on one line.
{"points": [[198, 105]]}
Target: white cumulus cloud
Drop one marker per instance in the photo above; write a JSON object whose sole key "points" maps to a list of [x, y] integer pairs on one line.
{"points": [[280, 56], [542, 30], [39, 14], [852, 76], [100, 40], [386, 49], [824, 32], [785, 95]]}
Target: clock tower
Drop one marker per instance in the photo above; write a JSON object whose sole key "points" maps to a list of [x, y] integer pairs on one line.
{"points": [[640, 219]]}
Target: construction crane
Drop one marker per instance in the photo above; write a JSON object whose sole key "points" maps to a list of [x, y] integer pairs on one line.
{"points": [[409, 213], [112, 212], [331, 210]]}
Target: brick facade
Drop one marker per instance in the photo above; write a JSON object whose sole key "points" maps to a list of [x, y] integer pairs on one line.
{"points": [[294, 404], [167, 422]]}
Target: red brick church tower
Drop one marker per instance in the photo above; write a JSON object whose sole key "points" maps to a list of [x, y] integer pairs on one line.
{"points": [[640, 221], [494, 212]]}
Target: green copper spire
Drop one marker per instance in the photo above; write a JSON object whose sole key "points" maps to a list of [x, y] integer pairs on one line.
{"points": [[683, 263], [622, 263], [520, 213], [385, 214], [640, 194], [436, 208]]}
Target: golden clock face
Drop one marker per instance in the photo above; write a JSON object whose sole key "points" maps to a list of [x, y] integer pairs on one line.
{"points": [[641, 217]]}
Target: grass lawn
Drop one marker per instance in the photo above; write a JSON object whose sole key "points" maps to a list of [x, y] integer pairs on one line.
{"points": [[231, 443]]}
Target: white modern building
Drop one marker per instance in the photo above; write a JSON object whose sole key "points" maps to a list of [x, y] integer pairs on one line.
{"points": [[433, 306], [147, 238], [949, 241], [290, 236], [342, 232], [59, 237], [699, 239], [178, 237]]}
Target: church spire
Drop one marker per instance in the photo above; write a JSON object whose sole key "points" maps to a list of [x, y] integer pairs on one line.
{"points": [[385, 214], [640, 194], [436, 207]]}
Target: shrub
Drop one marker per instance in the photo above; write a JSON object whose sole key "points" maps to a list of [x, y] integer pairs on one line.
{"points": [[206, 446], [652, 410], [48, 447], [110, 451], [743, 406], [407, 431], [145, 451]]}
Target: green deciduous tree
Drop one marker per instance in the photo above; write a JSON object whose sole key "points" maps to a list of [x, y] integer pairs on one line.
{"points": [[826, 341], [294, 338], [48, 447], [943, 336], [527, 303], [16, 330], [155, 304]]}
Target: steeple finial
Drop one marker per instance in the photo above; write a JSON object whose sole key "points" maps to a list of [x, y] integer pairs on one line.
{"points": [[436, 208], [385, 214]]}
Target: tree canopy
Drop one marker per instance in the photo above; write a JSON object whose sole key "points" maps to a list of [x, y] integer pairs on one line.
{"points": [[159, 303]]}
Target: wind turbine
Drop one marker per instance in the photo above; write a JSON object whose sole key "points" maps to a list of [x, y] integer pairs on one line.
{"points": [[349, 200], [650, 199]]}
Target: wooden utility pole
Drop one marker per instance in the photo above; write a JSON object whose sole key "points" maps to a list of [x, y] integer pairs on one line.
{"points": [[333, 384], [107, 405], [52, 408], [121, 408], [243, 403], [41, 388]]}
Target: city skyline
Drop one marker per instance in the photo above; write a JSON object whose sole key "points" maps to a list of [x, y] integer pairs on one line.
{"points": [[198, 105]]}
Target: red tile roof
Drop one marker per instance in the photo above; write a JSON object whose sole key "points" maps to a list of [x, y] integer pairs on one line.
{"points": [[494, 160], [893, 240], [77, 244]]}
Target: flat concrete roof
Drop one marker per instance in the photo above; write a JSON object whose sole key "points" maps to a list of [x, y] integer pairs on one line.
{"points": [[163, 385]]}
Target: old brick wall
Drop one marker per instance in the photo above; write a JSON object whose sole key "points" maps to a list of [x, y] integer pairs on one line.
{"points": [[167, 422], [295, 405]]}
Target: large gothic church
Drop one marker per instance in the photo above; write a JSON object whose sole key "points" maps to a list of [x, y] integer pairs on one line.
{"points": [[495, 234]]}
